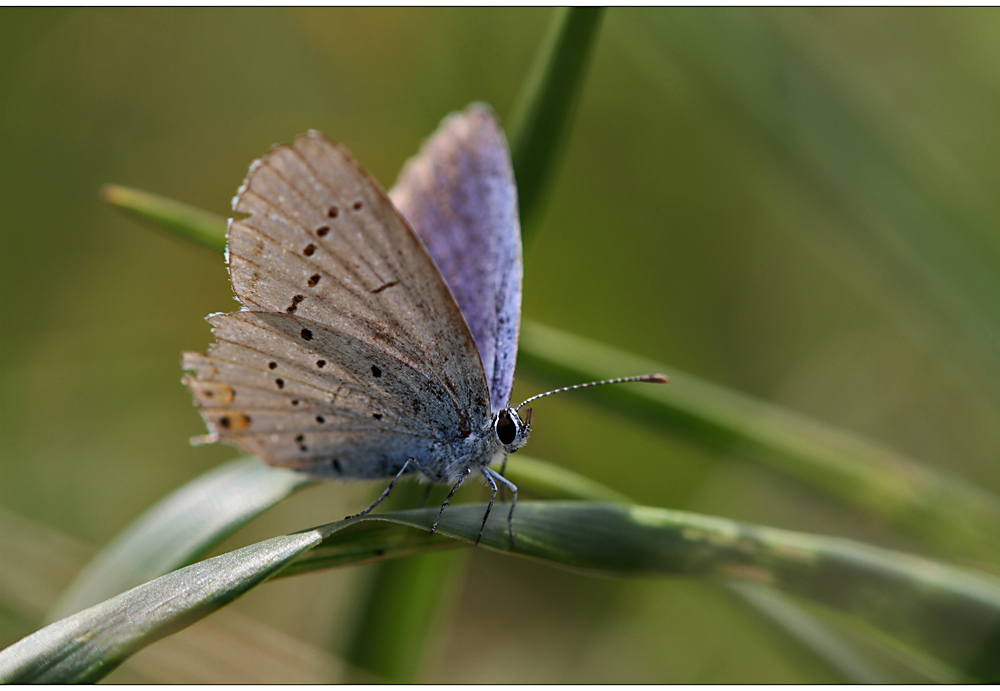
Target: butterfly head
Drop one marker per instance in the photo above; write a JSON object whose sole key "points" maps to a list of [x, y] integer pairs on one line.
{"points": [[511, 430]]}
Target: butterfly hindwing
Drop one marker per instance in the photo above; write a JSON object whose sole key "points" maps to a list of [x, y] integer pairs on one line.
{"points": [[459, 195]]}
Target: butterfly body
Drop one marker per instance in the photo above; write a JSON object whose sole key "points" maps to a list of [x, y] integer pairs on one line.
{"points": [[367, 348]]}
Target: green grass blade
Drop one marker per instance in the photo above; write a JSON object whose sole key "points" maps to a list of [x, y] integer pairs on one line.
{"points": [[180, 528], [800, 626], [405, 604], [89, 645], [542, 114], [954, 515], [950, 612], [191, 223], [553, 481]]}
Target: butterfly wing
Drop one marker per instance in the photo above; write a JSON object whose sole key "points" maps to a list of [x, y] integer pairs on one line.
{"points": [[328, 272], [459, 195]]}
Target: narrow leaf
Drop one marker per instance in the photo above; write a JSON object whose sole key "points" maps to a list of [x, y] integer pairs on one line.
{"points": [[950, 612], [89, 645], [191, 223]]}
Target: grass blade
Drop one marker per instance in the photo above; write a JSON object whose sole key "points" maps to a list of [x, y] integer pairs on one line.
{"points": [[180, 528], [189, 222], [87, 646], [954, 515], [542, 115], [949, 612], [952, 613]]}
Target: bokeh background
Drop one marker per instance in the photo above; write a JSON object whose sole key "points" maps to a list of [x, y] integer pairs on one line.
{"points": [[800, 205]]}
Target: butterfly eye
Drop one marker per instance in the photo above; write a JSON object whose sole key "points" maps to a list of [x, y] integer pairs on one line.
{"points": [[506, 428]]}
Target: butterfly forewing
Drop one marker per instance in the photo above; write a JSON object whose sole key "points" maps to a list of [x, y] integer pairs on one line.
{"points": [[334, 276], [459, 195]]}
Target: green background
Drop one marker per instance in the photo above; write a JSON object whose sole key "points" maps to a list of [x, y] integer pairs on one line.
{"points": [[797, 204]]}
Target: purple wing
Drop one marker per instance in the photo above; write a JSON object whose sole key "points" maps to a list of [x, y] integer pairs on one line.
{"points": [[459, 195]]}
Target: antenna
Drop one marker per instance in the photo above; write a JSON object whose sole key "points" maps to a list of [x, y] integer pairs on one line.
{"points": [[651, 378]]}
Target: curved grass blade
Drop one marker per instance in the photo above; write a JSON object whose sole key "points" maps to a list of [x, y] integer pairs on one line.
{"points": [[189, 222], [180, 528], [87, 646], [954, 515], [800, 626], [950, 612], [542, 114]]}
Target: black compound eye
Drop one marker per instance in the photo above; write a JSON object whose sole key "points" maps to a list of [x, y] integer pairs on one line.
{"points": [[506, 429]]}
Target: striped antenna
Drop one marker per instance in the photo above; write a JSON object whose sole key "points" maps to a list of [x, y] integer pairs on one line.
{"points": [[652, 378]]}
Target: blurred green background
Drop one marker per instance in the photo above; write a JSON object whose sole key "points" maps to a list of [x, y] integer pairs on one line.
{"points": [[797, 204]]}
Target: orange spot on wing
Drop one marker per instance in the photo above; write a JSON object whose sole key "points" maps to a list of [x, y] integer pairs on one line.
{"points": [[213, 392]]}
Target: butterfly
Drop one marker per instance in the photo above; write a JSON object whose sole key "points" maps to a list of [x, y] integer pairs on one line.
{"points": [[378, 332]]}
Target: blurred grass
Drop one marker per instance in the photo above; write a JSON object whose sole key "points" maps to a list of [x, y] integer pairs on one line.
{"points": [[542, 118], [680, 228]]}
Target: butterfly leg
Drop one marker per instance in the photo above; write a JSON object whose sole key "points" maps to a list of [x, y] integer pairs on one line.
{"points": [[513, 490], [387, 489], [489, 508], [448, 499]]}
